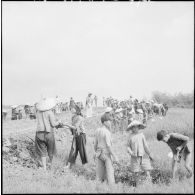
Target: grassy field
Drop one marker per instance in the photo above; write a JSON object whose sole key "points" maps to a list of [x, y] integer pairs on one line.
{"points": [[18, 178]]}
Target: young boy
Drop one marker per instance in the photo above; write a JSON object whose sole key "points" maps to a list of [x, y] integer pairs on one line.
{"points": [[137, 147], [180, 148]]}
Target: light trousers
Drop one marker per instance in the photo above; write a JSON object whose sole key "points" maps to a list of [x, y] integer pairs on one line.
{"points": [[105, 170]]}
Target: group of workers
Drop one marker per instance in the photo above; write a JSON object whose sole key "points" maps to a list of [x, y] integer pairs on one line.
{"points": [[124, 112], [29, 111], [104, 155]]}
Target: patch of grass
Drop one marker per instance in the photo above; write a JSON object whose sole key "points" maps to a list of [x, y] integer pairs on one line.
{"points": [[82, 179]]}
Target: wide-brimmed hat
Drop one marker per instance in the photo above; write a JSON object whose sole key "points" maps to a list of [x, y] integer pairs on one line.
{"points": [[140, 111], [46, 104], [134, 124], [118, 110], [108, 109]]}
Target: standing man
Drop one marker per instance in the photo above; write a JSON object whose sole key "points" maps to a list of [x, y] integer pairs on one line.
{"points": [[89, 103], [27, 110], [95, 99], [72, 103], [46, 124], [14, 112], [57, 105]]}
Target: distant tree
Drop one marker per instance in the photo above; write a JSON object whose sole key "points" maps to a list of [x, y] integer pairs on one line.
{"points": [[176, 100]]}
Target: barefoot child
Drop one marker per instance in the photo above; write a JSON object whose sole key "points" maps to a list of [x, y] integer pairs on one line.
{"points": [[137, 147], [180, 148]]}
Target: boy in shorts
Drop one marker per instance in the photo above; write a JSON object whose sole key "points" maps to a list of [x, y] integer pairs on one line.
{"points": [[180, 149], [137, 147]]}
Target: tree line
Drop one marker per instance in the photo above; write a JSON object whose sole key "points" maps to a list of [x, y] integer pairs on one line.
{"points": [[183, 100]]}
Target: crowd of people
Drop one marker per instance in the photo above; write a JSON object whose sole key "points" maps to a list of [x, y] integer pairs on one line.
{"points": [[124, 112], [28, 111], [129, 115]]}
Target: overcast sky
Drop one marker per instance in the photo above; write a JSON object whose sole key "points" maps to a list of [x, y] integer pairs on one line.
{"points": [[107, 48]]}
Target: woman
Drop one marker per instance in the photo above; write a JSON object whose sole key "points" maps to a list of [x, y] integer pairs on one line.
{"points": [[104, 152], [46, 124], [89, 103], [79, 139]]}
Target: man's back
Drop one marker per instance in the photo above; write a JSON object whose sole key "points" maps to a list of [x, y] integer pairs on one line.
{"points": [[103, 137]]}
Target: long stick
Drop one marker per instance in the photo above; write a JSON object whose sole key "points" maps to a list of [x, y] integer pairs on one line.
{"points": [[30, 138]]}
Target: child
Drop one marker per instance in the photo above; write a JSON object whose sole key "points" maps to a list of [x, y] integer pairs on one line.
{"points": [[180, 148], [138, 149], [104, 152]]}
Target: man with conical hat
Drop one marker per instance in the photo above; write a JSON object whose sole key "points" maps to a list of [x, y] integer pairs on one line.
{"points": [[46, 124]]}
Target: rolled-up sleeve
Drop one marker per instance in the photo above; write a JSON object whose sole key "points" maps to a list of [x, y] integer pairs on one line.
{"points": [[180, 136]]}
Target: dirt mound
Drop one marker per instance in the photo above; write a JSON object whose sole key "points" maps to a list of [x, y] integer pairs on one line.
{"points": [[19, 151]]}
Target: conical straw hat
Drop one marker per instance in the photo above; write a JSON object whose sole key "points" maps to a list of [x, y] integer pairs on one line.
{"points": [[135, 123], [46, 104]]}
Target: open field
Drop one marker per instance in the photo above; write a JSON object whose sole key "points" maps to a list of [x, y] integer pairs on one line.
{"points": [[23, 177]]}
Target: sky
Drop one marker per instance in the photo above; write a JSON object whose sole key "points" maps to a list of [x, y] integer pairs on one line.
{"points": [[108, 48]]}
